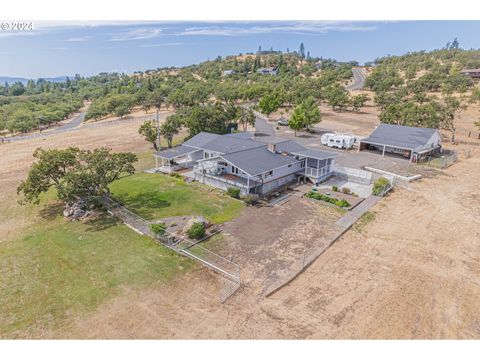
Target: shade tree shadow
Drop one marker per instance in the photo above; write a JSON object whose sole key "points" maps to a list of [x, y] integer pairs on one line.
{"points": [[143, 204]]}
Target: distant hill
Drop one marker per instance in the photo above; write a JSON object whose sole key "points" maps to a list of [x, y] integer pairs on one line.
{"points": [[11, 80]]}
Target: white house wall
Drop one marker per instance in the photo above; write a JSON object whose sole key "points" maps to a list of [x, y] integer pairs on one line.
{"points": [[434, 142]]}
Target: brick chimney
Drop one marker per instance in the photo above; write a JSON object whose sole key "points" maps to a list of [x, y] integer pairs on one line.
{"points": [[272, 148]]}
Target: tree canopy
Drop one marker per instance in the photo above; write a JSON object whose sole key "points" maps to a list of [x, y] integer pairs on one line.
{"points": [[78, 176]]}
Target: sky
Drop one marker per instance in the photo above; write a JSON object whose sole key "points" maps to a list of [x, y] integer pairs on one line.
{"points": [[87, 48]]}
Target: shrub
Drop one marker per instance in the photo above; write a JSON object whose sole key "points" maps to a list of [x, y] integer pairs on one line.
{"points": [[176, 175], [250, 199], [380, 185], [342, 203], [233, 192], [326, 198], [196, 231], [346, 190], [159, 228], [334, 188]]}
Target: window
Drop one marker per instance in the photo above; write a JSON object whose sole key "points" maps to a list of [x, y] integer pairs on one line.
{"points": [[207, 155]]}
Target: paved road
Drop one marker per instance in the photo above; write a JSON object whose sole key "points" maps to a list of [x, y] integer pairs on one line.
{"points": [[359, 77], [263, 127], [72, 124]]}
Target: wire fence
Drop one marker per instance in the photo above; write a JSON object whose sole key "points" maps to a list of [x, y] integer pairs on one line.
{"points": [[441, 161], [228, 271]]}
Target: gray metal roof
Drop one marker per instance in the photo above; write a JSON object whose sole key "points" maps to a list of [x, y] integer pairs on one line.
{"points": [[315, 154], [258, 160], [176, 152], [406, 137], [241, 135], [228, 144], [268, 139], [223, 144], [288, 146], [200, 139]]}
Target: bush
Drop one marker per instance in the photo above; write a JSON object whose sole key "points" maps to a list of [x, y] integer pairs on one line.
{"points": [[233, 192], [342, 203], [334, 188], [250, 199], [346, 190], [380, 185], [176, 175], [159, 228], [196, 231], [326, 198]]}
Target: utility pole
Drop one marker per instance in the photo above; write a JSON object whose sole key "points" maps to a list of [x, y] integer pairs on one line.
{"points": [[158, 132]]}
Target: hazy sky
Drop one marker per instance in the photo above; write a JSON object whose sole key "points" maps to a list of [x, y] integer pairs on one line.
{"points": [[55, 49]]}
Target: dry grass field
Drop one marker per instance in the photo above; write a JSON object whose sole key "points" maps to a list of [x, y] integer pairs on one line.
{"points": [[410, 270]]}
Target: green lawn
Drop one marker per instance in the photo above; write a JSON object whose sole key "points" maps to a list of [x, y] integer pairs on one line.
{"points": [[53, 270], [155, 196], [59, 269]]}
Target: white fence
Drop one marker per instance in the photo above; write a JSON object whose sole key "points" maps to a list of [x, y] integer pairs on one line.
{"points": [[354, 175]]}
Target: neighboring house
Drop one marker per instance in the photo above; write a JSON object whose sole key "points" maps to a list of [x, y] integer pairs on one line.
{"points": [[236, 160], [473, 73], [268, 52], [410, 142], [228, 72], [268, 71]]}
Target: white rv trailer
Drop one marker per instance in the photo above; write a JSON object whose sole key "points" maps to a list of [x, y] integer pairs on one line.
{"points": [[341, 141]]}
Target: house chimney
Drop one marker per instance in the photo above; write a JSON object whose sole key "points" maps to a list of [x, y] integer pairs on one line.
{"points": [[272, 148]]}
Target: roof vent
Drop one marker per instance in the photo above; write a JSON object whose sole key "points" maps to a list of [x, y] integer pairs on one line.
{"points": [[272, 148]]}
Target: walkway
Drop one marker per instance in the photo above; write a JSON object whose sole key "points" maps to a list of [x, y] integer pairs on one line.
{"points": [[351, 217]]}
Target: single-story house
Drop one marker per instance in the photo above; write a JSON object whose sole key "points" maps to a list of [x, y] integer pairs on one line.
{"points": [[228, 72], [473, 73], [409, 142], [238, 160], [267, 71]]}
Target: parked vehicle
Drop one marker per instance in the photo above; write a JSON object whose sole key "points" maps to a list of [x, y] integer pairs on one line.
{"points": [[282, 121], [340, 141]]}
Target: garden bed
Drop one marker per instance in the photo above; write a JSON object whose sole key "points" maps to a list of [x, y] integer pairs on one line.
{"points": [[339, 198]]}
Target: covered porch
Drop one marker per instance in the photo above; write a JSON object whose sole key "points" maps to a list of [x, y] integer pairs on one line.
{"points": [[216, 172], [175, 159], [318, 165]]}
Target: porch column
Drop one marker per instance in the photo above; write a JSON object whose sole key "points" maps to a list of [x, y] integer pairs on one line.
{"points": [[318, 166], [248, 183], [411, 155], [305, 177], [383, 152], [156, 162]]}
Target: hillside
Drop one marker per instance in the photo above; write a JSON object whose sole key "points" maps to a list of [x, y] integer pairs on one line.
{"points": [[425, 89], [421, 89]]}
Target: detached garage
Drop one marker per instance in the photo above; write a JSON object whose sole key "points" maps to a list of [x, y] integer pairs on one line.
{"points": [[407, 141]]}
